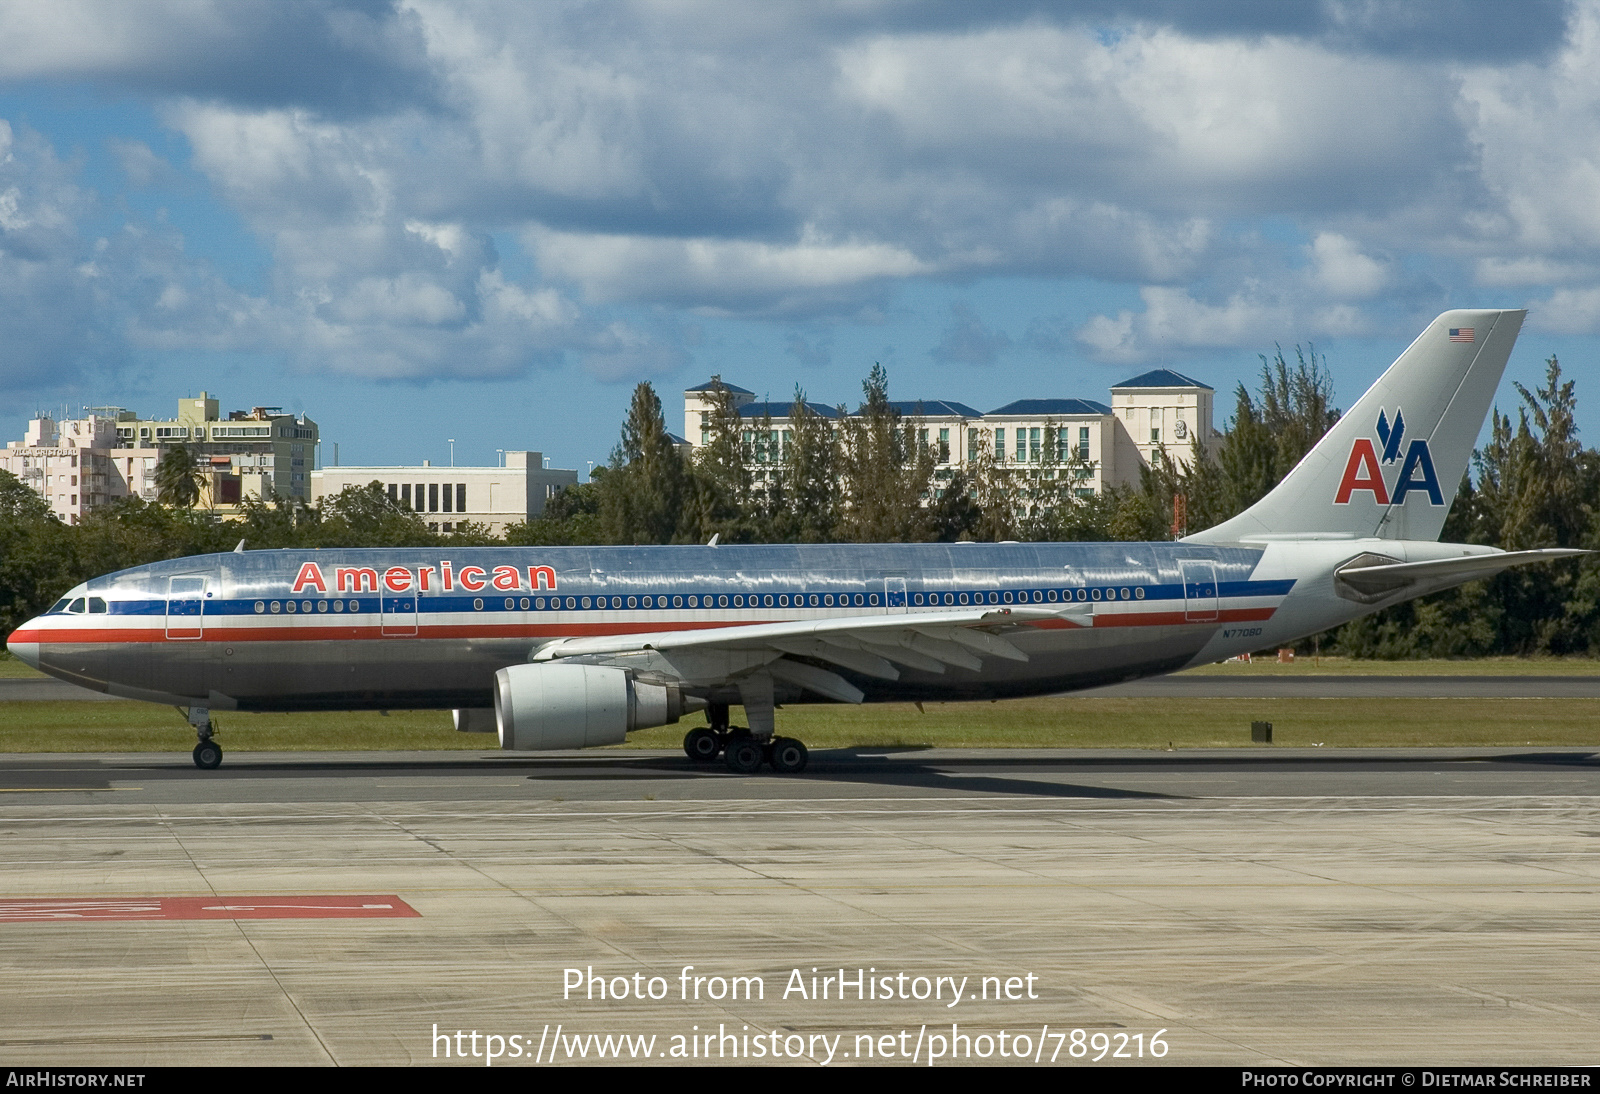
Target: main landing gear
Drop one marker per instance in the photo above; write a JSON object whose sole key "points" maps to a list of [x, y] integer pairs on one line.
{"points": [[741, 751], [207, 754]]}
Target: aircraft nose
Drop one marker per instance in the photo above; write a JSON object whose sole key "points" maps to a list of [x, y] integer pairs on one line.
{"points": [[26, 652]]}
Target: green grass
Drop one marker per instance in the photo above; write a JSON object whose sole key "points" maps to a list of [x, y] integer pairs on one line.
{"points": [[1345, 666], [11, 668], [1018, 723]]}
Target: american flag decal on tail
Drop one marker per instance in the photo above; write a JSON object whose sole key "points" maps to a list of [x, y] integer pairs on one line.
{"points": [[1461, 334]]}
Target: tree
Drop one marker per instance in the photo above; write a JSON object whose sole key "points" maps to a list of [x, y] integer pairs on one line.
{"points": [[571, 518], [179, 479], [886, 474], [366, 516], [809, 509], [646, 494], [35, 554], [1268, 437], [724, 496]]}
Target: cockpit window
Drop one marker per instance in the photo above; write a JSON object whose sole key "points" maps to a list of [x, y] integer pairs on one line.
{"points": [[61, 605], [97, 605], [76, 605]]}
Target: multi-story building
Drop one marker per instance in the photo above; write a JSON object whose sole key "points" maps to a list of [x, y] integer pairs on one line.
{"points": [[79, 465], [1103, 445], [261, 452], [448, 496]]}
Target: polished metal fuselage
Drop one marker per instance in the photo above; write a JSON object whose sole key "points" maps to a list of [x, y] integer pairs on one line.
{"points": [[428, 628]]}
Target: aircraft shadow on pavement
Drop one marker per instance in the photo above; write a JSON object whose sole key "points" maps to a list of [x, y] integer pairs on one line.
{"points": [[898, 767], [904, 767]]}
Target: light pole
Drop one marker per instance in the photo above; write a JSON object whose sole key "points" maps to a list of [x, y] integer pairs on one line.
{"points": [[452, 451]]}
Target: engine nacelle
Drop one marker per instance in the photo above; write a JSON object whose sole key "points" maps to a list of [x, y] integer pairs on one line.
{"points": [[560, 705], [474, 719]]}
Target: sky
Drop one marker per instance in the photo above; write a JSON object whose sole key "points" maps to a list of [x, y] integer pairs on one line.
{"points": [[488, 221]]}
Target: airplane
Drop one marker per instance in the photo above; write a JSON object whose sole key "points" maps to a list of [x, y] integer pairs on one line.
{"points": [[575, 647]]}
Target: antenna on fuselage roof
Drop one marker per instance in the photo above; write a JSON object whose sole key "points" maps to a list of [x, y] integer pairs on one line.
{"points": [[239, 550], [712, 542]]}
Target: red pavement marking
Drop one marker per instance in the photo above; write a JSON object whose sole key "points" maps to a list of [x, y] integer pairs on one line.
{"points": [[275, 906]]}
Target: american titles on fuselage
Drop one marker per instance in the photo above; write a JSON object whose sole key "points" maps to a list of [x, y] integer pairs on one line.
{"points": [[441, 578]]}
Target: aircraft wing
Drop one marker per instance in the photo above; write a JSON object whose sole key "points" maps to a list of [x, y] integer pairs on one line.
{"points": [[872, 645]]}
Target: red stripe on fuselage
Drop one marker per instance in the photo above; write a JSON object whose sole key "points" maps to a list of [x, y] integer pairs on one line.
{"points": [[374, 631]]}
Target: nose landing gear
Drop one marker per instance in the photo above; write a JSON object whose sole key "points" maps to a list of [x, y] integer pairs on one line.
{"points": [[207, 754]]}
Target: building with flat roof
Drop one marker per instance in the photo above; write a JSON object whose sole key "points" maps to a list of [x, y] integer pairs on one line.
{"points": [[1108, 445], [449, 496]]}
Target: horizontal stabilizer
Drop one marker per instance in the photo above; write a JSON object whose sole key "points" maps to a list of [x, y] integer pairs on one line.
{"points": [[1373, 577]]}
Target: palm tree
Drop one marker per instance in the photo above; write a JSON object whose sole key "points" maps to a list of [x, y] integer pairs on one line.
{"points": [[178, 477]]}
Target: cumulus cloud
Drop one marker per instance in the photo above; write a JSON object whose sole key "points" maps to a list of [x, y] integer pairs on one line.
{"points": [[796, 162], [1173, 320], [1341, 270]]}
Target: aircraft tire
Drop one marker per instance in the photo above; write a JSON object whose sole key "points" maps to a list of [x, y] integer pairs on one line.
{"points": [[788, 756], [702, 745], [743, 756], [207, 756]]}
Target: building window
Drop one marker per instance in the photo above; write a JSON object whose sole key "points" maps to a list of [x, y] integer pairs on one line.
{"points": [[1033, 446], [461, 497], [1000, 446], [1083, 442], [405, 494], [1155, 434], [1022, 446], [944, 446], [433, 497], [449, 499], [394, 492]]}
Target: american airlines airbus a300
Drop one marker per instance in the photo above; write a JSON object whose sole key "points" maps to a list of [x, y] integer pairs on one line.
{"points": [[570, 647]]}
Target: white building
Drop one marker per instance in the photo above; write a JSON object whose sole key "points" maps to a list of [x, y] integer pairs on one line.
{"points": [[1157, 410], [448, 496]]}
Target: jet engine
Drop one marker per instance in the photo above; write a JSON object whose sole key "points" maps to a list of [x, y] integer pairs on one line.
{"points": [[562, 705]]}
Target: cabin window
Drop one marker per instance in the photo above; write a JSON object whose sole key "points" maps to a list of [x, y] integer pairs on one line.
{"points": [[276, 607], [477, 604], [1052, 595], [1095, 594], [510, 603], [525, 604], [722, 601], [1139, 593], [338, 605], [322, 605], [1007, 597]]}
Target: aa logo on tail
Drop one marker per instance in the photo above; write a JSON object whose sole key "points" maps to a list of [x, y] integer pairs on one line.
{"points": [[1364, 469]]}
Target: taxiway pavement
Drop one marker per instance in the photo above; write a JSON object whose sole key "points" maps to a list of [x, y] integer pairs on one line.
{"points": [[1268, 906]]}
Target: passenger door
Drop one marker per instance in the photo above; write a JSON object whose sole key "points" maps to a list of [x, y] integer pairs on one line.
{"points": [[186, 598]]}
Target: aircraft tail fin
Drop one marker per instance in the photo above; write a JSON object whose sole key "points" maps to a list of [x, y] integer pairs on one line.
{"points": [[1390, 467]]}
